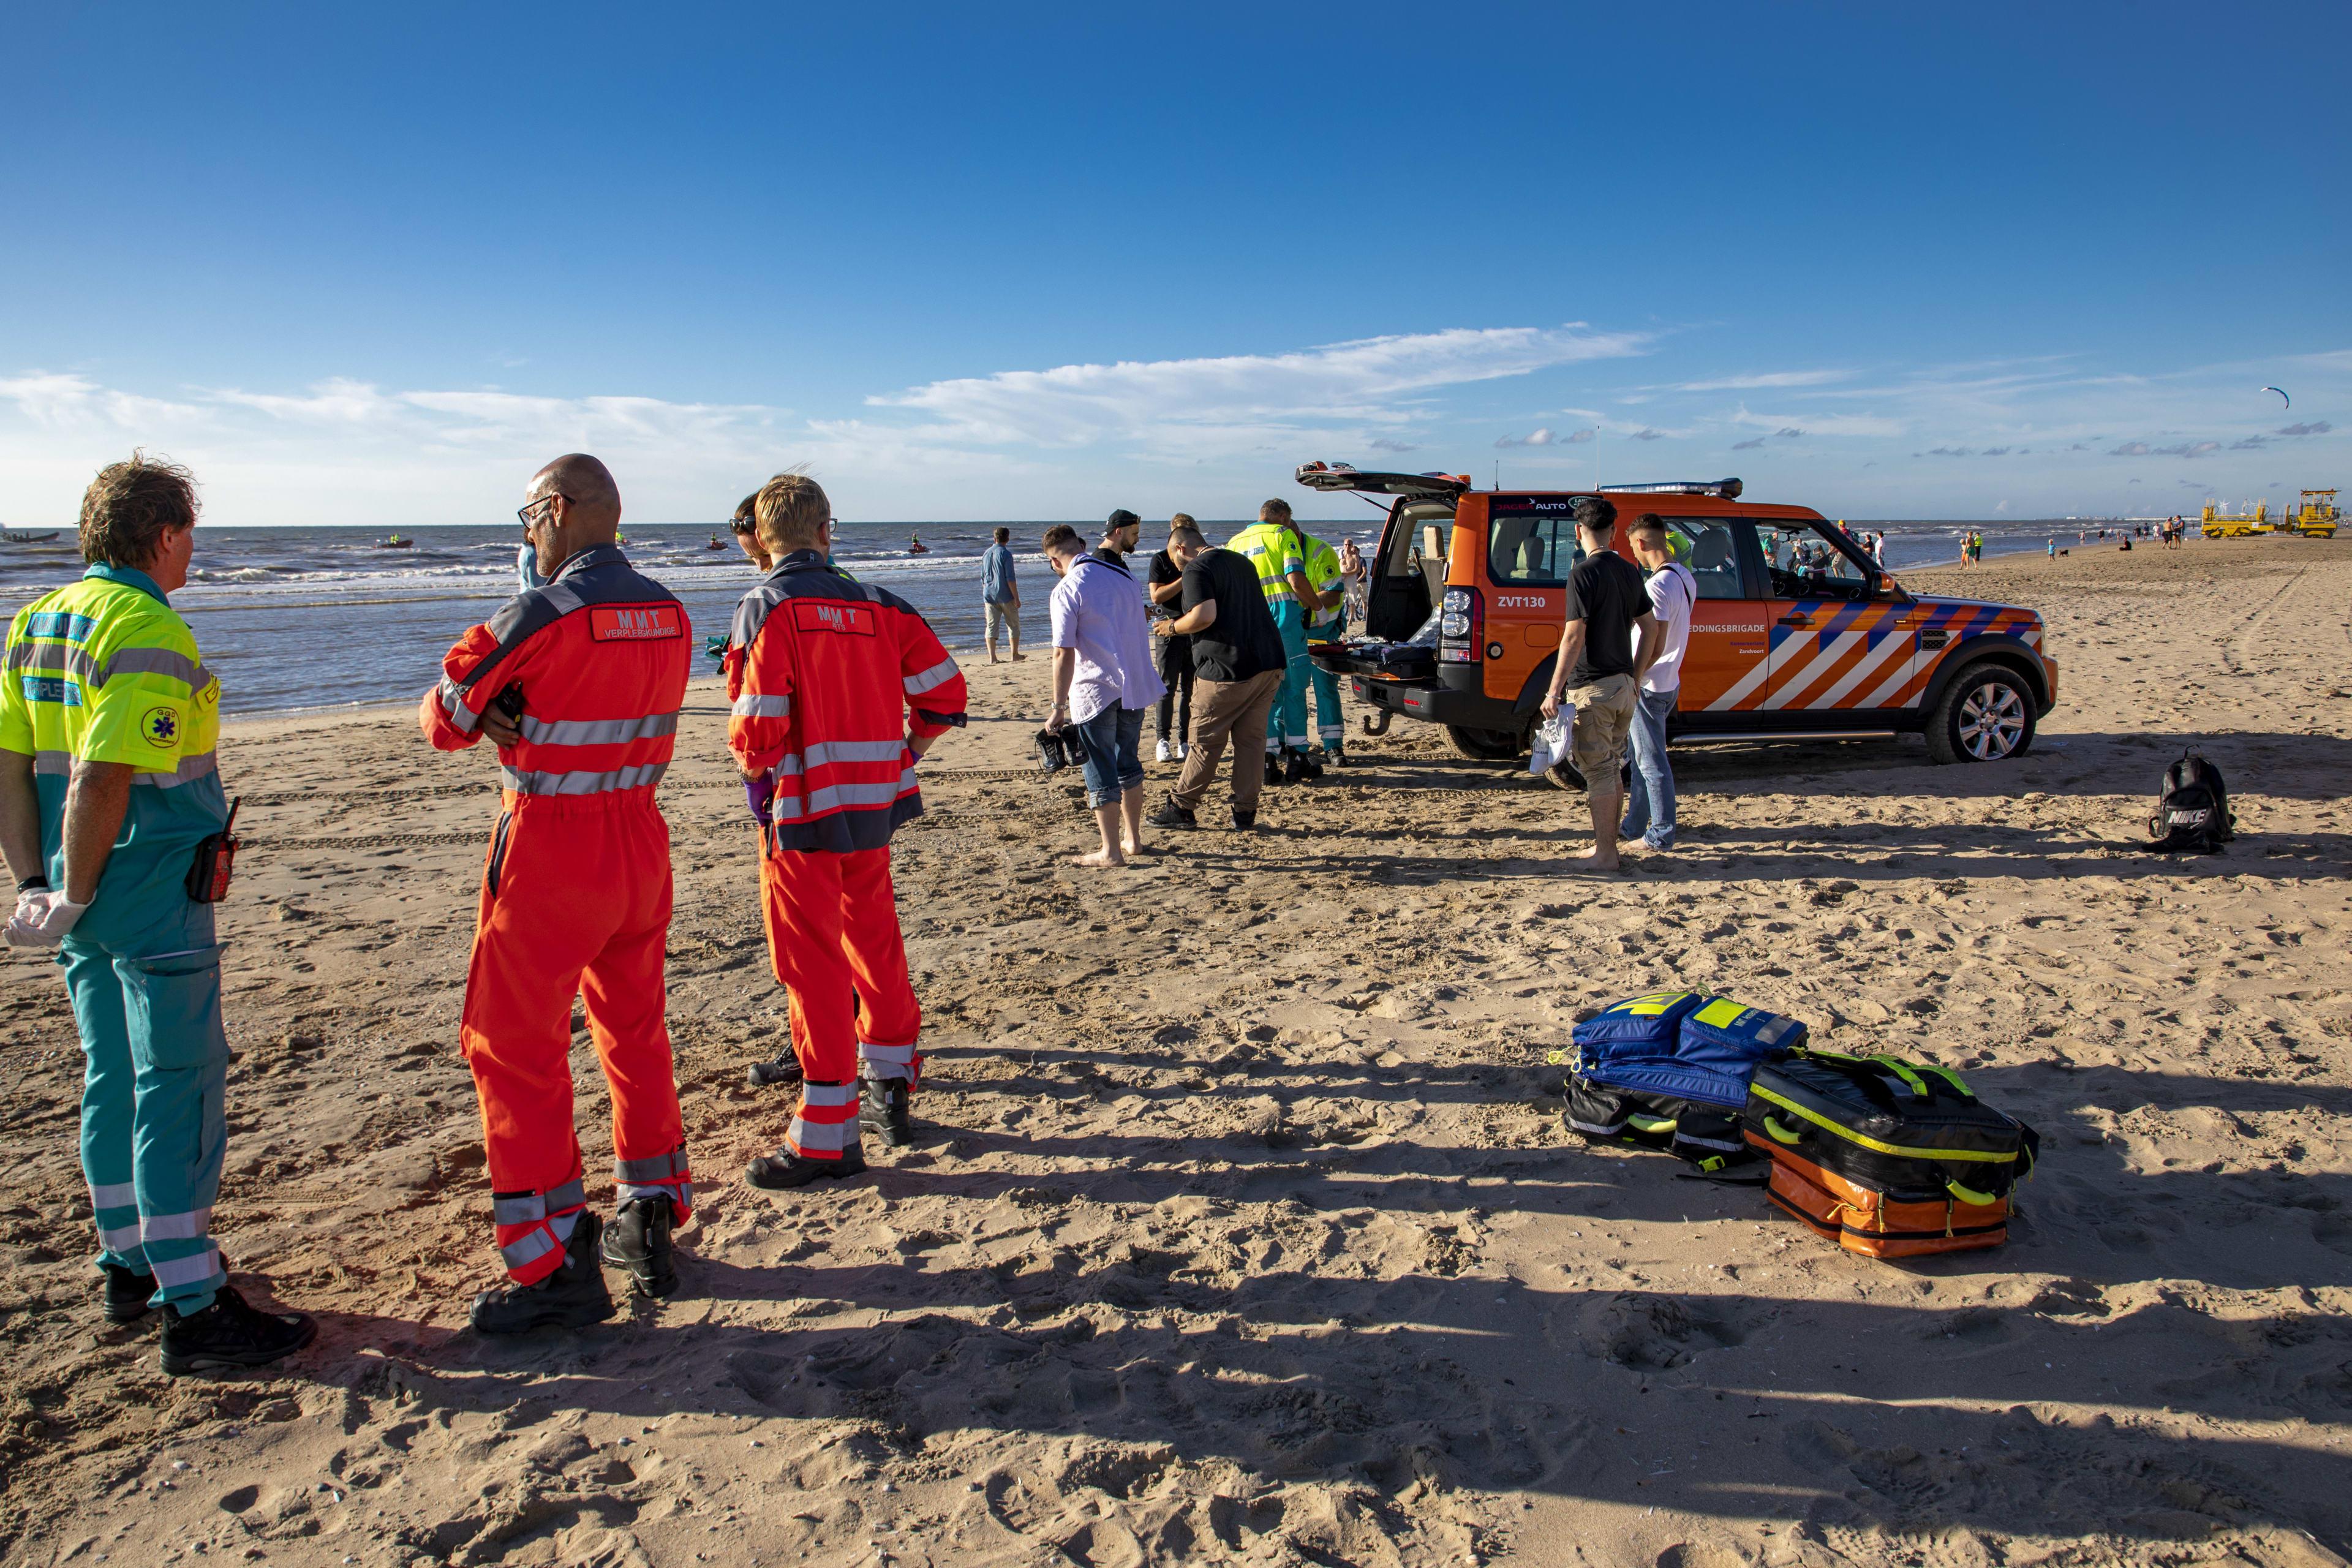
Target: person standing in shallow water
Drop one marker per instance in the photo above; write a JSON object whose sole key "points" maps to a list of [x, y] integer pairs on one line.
{"points": [[1000, 595]]}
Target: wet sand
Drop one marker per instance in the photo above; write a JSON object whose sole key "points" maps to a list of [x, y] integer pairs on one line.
{"points": [[1250, 1231]]}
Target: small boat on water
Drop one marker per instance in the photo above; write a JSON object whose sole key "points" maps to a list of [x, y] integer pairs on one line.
{"points": [[395, 542], [916, 545], [30, 538], [714, 544]]}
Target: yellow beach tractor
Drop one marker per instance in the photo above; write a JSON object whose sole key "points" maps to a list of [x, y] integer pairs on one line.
{"points": [[2218, 524], [2317, 516]]}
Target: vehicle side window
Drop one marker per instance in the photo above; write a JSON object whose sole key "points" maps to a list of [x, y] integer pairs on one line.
{"points": [[1709, 546], [1806, 564], [1533, 547]]}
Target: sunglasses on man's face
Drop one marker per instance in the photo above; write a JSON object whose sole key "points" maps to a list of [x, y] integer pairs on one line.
{"points": [[528, 510]]}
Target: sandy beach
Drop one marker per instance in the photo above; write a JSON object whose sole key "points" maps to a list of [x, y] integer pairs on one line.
{"points": [[1250, 1230]]}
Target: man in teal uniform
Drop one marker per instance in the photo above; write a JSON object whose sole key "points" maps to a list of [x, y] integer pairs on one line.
{"points": [[1277, 549], [1326, 618], [108, 789]]}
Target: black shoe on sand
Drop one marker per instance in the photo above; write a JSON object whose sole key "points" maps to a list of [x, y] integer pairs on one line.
{"points": [[1244, 821], [1273, 769], [638, 1244], [779, 1173], [571, 1297], [230, 1334], [882, 1110], [782, 1072], [1171, 815], [1300, 770], [126, 1293]]}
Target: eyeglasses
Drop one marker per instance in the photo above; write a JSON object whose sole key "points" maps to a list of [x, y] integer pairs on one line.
{"points": [[525, 511]]}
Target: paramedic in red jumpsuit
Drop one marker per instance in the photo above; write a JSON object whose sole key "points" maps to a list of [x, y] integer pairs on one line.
{"points": [[835, 688], [578, 683]]}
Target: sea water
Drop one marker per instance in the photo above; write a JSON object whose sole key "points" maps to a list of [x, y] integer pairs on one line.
{"points": [[321, 617]]}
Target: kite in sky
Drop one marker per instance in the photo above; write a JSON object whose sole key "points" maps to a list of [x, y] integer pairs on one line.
{"points": [[2281, 391]]}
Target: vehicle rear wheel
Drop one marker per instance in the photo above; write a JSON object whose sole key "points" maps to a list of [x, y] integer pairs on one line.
{"points": [[1486, 745], [1986, 715]]}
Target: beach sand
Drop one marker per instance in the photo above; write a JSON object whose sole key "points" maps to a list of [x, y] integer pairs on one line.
{"points": [[1251, 1231]]}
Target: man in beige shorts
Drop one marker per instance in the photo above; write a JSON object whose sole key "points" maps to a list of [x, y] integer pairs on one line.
{"points": [[1599, 667]]}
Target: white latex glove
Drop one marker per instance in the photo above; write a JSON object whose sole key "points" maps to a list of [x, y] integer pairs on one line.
{"points": [[42, 918]]}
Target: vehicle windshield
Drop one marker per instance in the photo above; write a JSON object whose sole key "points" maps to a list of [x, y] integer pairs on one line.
{"points": [[1806, 564]]}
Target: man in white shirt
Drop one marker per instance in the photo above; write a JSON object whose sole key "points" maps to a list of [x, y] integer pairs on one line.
{"points": [[1649, 802], [1104, 680]]}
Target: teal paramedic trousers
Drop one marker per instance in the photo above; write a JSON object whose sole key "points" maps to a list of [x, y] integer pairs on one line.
{"points": [[145, 976], [1286, 727], [1327, 724]]}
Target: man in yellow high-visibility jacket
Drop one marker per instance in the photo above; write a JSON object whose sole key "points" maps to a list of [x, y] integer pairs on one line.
{"points": [[109, 789], [1327, 619], [1277, 549]]}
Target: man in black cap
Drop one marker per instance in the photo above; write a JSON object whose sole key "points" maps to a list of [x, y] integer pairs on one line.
{"points": [[1121, 533]]}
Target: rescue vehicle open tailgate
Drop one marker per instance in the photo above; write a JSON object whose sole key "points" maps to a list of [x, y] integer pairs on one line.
{"points": [[1421, 697]]}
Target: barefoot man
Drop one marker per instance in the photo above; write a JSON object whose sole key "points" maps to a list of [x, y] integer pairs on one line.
{"points": [[1599, 664], [1103, 682]]}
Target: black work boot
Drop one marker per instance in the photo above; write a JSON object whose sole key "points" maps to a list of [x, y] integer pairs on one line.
{"points": [[638, 1244], [1301, 769], [778, 1172], [1272, 768], [1244, 821], [571, 1297], [783, 1070], [1171, 815], [229, 1334], [882, 1110], [126, 1293]]}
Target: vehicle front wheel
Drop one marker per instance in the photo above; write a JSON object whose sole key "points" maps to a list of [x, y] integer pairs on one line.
{"points": [[1985, 715], [1486, 745]]}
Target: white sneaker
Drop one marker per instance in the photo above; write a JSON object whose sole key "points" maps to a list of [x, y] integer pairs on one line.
{"points": [[1180, 750], [1163, 753]]}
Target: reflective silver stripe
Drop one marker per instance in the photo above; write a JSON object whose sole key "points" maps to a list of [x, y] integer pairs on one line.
{"points": [[829, 1095], [826, 752], [523, 1210], [563, 596], [204, 1265], [652, 1170], [597, 731], [453, 702], [189, 770], [1709, 1142], [937, 675], [830, 1137], [532, 1246], [154, 661], [1598, 1131], [175, 1226], [113, 1195], [523, 782], [834, 797], [53, 762], [894, 1056], [120, 1238], [622, 1192], [761, 705]]}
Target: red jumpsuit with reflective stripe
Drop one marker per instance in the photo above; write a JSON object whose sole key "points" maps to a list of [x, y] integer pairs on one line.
{"points": [[827, 678], [575, 891]]}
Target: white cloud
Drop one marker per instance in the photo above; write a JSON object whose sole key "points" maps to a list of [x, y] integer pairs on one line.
{"points": [[1181, 406], [1770, 378], [1818, 424], [1542, 438]]}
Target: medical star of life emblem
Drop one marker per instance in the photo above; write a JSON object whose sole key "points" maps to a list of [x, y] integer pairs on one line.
{"points": [[161, 726]]}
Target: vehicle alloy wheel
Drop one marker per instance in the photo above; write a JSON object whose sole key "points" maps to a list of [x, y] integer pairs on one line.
{"points": [[1986, 716]]}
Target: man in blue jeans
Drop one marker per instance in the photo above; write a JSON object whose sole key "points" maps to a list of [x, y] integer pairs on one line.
{"points": [[1103, 682], [1649, 802]]}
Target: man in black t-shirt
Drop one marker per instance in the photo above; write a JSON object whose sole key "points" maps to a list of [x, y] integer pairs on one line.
{"points": [[1166, 588], [1238, 663], [1599, 667], [1121, 532]]}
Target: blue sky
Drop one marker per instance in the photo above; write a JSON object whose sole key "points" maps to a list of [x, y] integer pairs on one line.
{"points": [[374, 264]]}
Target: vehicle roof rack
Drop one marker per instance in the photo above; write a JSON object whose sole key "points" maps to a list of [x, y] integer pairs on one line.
{"points": [[1727, 488]]}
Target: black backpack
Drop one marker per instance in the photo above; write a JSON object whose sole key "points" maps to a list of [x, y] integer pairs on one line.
{"points": [[2192, 813]]}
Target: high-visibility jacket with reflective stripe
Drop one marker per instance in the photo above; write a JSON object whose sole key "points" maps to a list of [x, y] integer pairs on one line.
{"points": [[1274, 550], [601, 655], [1323, 575], [820, 670], [105, 670]]}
